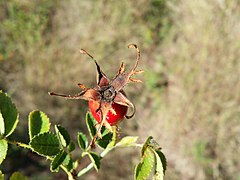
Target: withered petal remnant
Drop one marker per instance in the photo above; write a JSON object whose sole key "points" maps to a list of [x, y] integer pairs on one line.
{"points": [[107, 92]]}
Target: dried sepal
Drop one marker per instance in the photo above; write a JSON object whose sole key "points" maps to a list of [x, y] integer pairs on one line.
{"points": [[107, 92], [122, 77]]}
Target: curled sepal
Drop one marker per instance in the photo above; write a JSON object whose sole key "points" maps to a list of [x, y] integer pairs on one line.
{"points": [[122, 78], [102, 79], [123, 100]]}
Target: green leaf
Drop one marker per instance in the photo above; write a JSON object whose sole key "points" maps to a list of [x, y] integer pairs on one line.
{"points": [[144, 168], [158, 173], [146, 144], [18, 176], [91, 124], [127, 141], [2, 126], [71, 147], [106, 138], [9, 114], [82, 141], [62, 135], [45, 144], [163, 159], [38, 123], [1, 176], [68, 163], [3, 149], [112, 143], [58, 160], [94, 158]]}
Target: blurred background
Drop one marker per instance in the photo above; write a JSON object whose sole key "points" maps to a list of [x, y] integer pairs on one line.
{"points": [[189, 100]]}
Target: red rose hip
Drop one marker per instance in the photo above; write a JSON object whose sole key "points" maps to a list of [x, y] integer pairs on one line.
{"points": [[111, 118]]}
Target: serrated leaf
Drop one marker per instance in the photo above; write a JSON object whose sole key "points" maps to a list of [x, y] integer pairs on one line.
{"points": [[94, 158], [144, 168], [91, 124], [2, 126], [158, 173], [58, 160], [18, 176], [45, 144], [71, 147], [9, 114], [38, 122], [127, 141], [1, 176], [82, 141], [3, 149], [62, 135], [68, 163], [163, 160], [106, 138]]}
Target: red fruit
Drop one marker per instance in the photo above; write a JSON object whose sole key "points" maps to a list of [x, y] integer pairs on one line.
{"points": [[111, 118]]}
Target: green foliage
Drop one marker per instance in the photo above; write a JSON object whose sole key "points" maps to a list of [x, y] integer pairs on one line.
{"points": [[63, 136], [144, 168], [106, 138], [2, 126], [1, 176], [45, 144], [71, 147], [94, 158], [127, 141], [82, 141], [9, 114], [91, 124], [61, 157], [58, 147], [106, 135], [151, 157], [18, 176], [163, 160], [3, 149], [38, 122]]}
